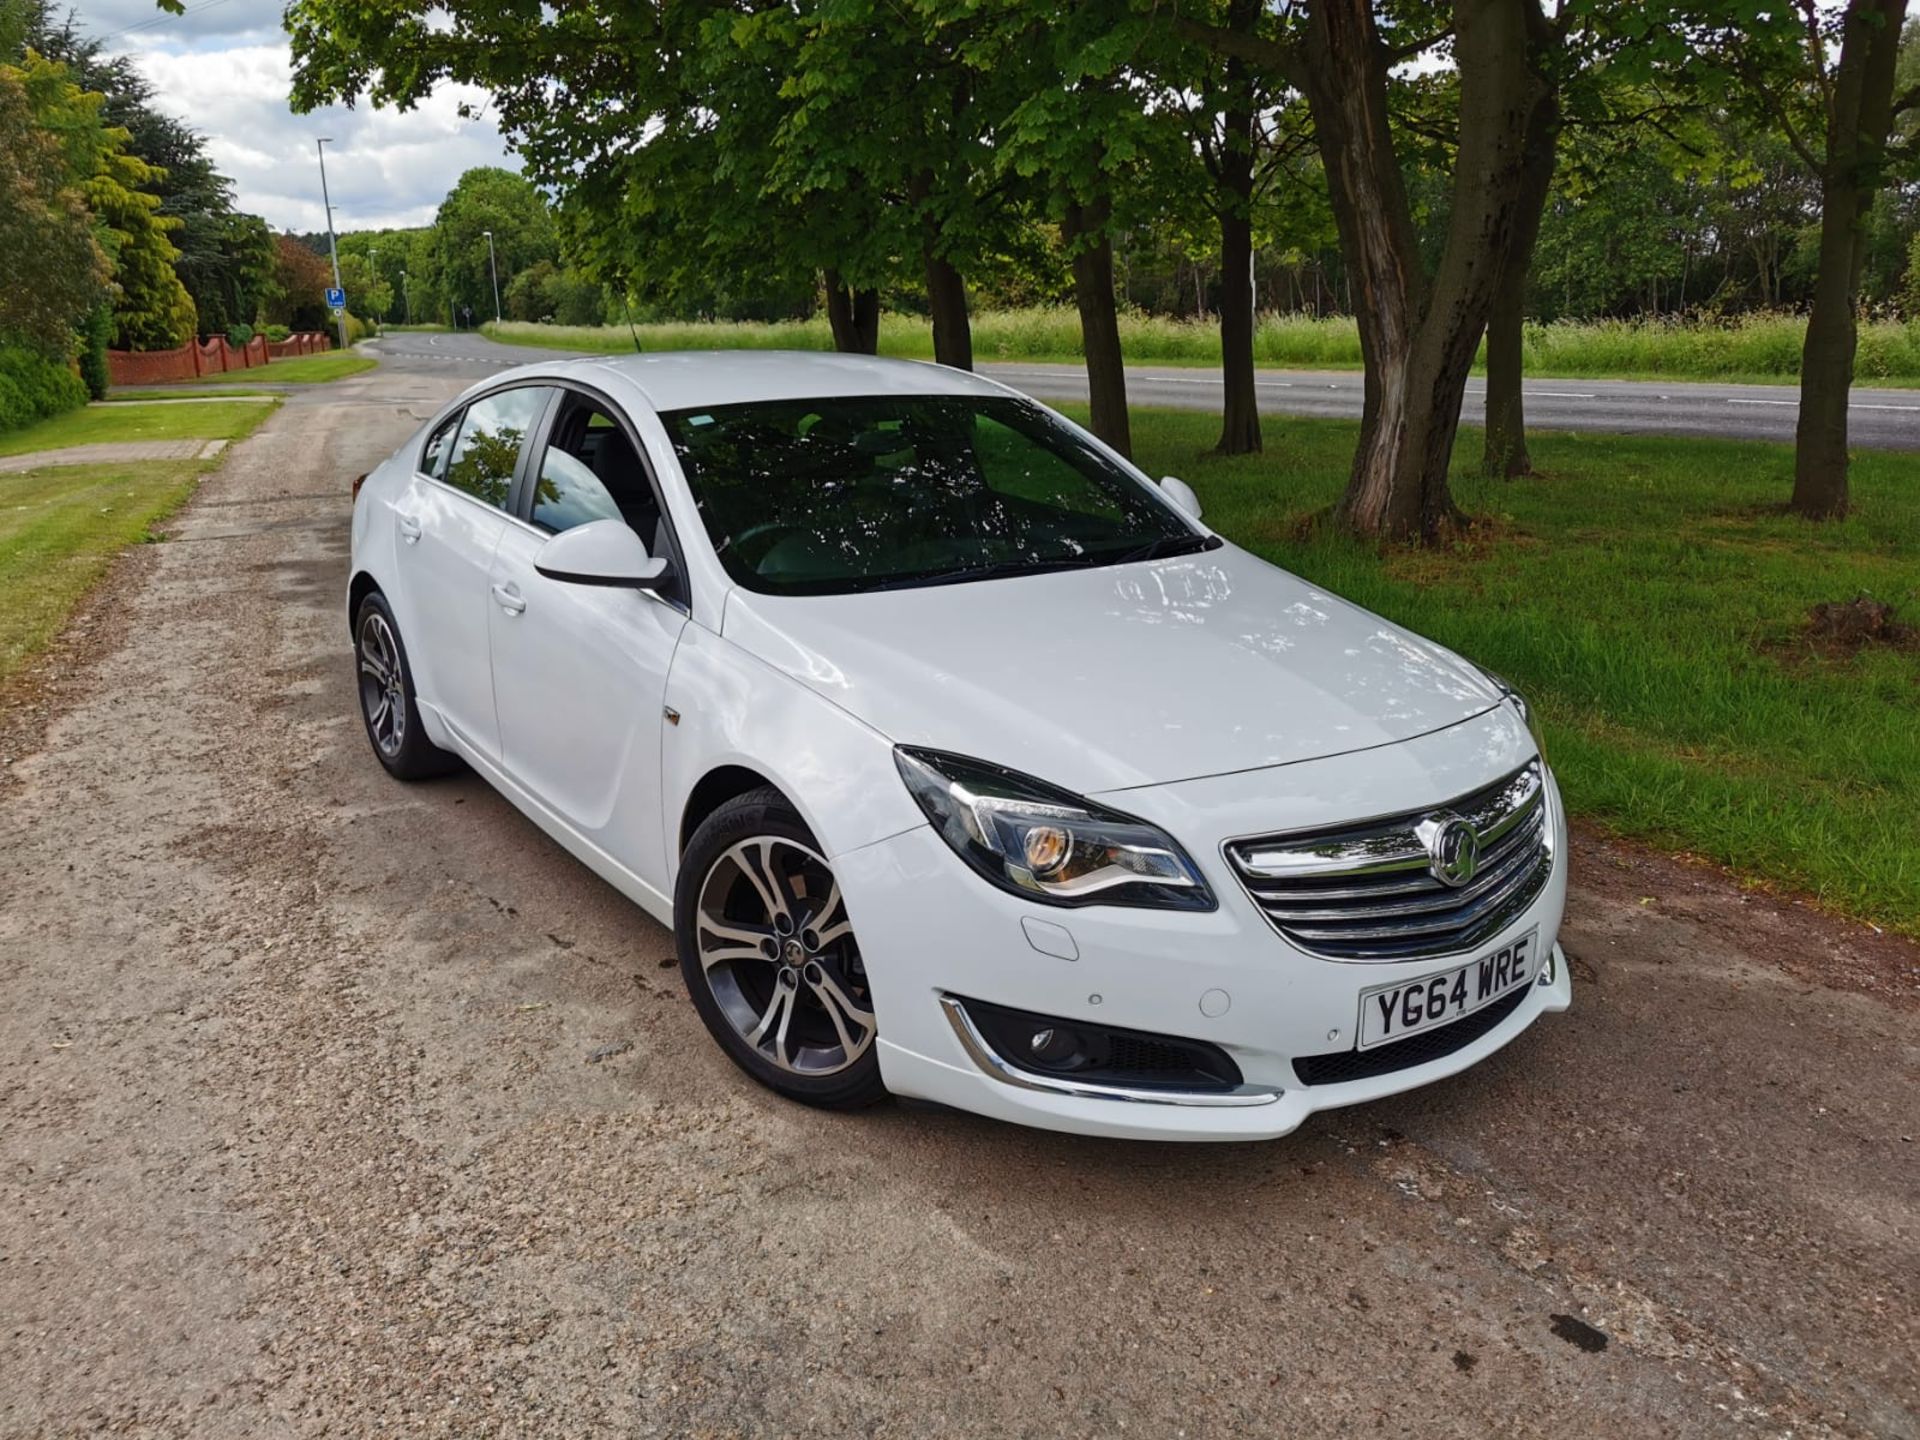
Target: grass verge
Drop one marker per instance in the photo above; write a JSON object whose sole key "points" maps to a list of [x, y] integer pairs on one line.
{"points": [[107, 424], [61, 526], [1649, 596], [187, 392], [1763, 348]]}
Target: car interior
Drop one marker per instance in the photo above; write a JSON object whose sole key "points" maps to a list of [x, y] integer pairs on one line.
{"points": [[591, 471]]}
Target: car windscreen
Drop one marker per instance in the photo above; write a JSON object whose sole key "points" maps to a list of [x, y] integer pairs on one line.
{"points": [[824, 497]]}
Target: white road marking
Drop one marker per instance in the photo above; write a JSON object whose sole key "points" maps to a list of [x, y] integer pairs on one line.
{"points": [[1863, 405], [1733, 401]]}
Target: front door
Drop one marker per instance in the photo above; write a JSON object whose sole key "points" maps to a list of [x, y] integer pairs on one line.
{"points": [[580, 671]]}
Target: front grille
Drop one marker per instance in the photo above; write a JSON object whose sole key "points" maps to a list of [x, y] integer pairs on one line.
{"points": [[1368, 892], [1344, 1065]]}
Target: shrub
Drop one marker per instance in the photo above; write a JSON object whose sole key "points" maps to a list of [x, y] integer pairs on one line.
{"points": [[32, 387], [239, 336], [93, 351], [356, 329], [276, 333]]}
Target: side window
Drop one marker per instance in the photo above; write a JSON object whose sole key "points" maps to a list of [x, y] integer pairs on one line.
{"points": [[488, 447], [591, 471], [433, 460], [568, 493]]}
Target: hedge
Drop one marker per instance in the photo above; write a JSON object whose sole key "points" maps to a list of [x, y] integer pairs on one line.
{"points": [[33, 387]]}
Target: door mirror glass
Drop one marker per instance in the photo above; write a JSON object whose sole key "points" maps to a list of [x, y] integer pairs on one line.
{"points": [[1181, 494], [601, 552]]}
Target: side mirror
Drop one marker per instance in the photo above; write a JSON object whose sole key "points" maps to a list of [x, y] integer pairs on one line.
{"points": [[602, 552], [1181, 494]]}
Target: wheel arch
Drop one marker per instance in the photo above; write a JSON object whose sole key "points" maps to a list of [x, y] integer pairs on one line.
{"points": [[362, 585], [714, 789]]}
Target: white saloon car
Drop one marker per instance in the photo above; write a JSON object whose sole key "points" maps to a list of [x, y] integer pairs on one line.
{"points": [[963, 760]]}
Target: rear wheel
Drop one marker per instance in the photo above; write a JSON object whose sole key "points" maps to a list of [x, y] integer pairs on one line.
{"points": [[387, 703], [770, 958]]}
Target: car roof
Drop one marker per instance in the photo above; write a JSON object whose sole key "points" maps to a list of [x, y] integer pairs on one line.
{"points": [[691, 379]]}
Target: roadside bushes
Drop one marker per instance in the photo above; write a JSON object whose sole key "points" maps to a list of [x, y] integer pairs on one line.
{"points": [[94, 372], [32, 387]]}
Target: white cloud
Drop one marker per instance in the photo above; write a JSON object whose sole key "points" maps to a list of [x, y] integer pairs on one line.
{"points": [[225, 69]]}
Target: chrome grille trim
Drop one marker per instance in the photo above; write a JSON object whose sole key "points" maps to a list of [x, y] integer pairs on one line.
{"points": [[1367, 892]]}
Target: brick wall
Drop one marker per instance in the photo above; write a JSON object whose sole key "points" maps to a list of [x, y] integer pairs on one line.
{"points": [[209, 357]]}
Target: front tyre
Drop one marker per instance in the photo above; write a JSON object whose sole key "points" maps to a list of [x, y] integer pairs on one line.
{"points": [[387, 704], [770, 958]]}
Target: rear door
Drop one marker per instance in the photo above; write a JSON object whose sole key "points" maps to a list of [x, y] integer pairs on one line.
{"points": [[580, 671], [450, 522]]}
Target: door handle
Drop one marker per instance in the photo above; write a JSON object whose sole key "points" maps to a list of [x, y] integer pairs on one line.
{"points": [[510, 599], [409, 529]]}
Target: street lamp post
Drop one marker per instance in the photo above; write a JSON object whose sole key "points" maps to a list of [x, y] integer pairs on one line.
{"points": [[333, 250], [373, 264], [406, 296], [493, 268]]}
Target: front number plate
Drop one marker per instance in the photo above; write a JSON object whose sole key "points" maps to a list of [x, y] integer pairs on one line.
{"points": [[1393, 1012]]}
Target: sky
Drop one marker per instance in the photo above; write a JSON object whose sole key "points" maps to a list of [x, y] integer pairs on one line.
{"points": [[224, 68]]}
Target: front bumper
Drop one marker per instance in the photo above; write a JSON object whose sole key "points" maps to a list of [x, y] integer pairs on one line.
{"points": [[931, 930]]}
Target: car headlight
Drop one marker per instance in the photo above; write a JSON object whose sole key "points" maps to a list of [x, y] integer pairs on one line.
{"points": [[1047, 844]]}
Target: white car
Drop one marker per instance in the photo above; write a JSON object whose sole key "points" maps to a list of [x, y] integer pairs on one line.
{"points": [[963, 760]]}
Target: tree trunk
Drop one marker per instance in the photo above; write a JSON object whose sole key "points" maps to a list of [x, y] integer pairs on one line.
{"points": [[1859, 116], [1505, 454], [853, 316], [1085, 230], [947, 302], [1240, 410], [1418, 334]]}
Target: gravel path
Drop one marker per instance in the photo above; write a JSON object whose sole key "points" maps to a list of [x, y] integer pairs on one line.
{"points": [[299, 1133]]}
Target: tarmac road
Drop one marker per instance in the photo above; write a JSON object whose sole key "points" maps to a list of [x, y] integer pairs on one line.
{"points": [[1879, 419], [333, 1106]]}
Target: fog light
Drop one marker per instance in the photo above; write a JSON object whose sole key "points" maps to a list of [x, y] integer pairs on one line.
{"points": [[1047, 847], [1053, 1046]]}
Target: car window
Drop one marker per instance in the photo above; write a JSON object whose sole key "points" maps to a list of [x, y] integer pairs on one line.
{"points": [[591, 471], [491, 436], [433, 460], [569, 494], [828, 496]]}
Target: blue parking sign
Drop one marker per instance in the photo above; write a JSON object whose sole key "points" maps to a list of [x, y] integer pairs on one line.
{"points": [[336, 298]]}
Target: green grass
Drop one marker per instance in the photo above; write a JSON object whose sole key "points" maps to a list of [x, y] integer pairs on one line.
{"points": [[60, 528], [1759, 348], [418, 329], [98, 425], [191, 390], [1648, 596]]}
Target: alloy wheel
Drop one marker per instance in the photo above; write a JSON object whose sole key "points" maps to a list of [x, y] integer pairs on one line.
{"points": [[778, 953], [383, 692]]}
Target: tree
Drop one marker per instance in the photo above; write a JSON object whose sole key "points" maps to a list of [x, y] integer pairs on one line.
{"points": [[151, 308], [483, 199], [1859, 108], [1419, 328], [1229, 137], [300, 281], [57, 270], [224, 256]]}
